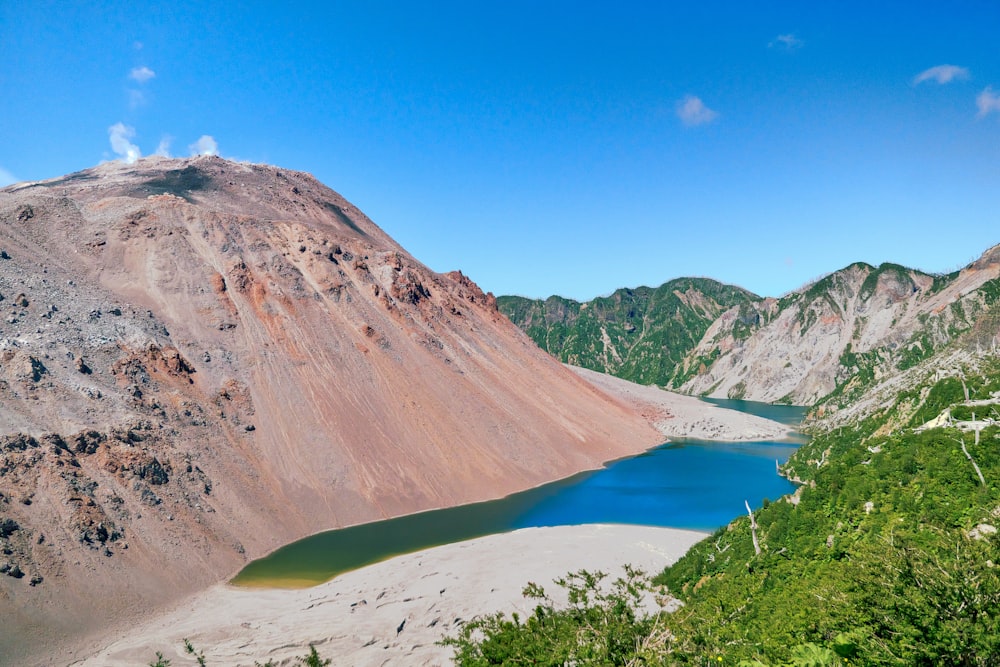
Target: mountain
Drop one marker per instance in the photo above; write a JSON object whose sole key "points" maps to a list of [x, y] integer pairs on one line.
{"points": [[639, 334], [826, 342], [835, 337], [886, 553], [201, 360]]}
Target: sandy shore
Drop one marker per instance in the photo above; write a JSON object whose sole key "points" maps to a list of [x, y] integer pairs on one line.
{"points": [[393, 612], [680, 416]]}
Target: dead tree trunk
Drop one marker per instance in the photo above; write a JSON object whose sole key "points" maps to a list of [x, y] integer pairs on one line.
{"points": [[965, 451], [753, 527]]}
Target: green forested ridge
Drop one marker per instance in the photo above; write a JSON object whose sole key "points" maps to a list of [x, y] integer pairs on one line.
{"points": [[886, 556], [658, 336], [638, 334]]}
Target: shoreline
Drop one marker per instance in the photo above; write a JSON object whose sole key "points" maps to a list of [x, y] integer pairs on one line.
{"points": [[393, 611], [226, 639], [681, 416], [660, 407]]}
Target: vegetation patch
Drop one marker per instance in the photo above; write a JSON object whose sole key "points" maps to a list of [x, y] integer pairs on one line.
{"points": [[887, 557], [178, 182], [641, 334]]}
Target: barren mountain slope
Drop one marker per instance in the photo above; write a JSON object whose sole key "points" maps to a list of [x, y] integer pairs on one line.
{"points": [[853, 326], [201, 360]]}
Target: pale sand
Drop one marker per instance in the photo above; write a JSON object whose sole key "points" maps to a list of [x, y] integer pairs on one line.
{"points": [[393, 612], [678, 415], [358, 618]]}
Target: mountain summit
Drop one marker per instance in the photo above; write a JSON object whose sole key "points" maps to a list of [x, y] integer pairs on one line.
{"points": [[203, 360]]}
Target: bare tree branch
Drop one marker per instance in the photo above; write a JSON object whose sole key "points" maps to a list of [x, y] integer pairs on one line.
{"points": [[753, 528], [965, 451]]}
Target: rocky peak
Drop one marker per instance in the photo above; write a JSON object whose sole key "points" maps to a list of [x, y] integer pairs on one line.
{"points": [[988, 259]]}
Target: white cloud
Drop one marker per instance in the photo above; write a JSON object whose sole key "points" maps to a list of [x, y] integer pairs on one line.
{"points": [[163, 148], [205, 145], [141, 74], [6, 178], [987, 102], [692, 111], [941, 74], [136, 99], [787, 42], [120, 134]]}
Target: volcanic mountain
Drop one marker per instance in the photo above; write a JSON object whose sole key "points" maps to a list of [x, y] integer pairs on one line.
{"points": [[201, 360]]}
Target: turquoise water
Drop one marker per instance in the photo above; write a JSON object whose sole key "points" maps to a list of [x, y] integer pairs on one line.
{"points": [[685, 483]]}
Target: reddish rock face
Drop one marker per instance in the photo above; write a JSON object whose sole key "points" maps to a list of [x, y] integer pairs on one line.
{"points": [[202, 360]]}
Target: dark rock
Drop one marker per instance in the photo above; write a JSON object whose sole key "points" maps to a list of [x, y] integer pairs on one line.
{"points": [[153, 472], [86, 442], [17, 442], [38, 369], [8, 527], [148, 497], [82, 367]]}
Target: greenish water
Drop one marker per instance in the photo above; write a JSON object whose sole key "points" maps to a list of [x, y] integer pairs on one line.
{"points": [[790, 415], [686, 483]]}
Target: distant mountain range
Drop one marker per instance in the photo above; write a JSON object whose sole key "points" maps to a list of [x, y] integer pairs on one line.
{"points": [[826, 340]]}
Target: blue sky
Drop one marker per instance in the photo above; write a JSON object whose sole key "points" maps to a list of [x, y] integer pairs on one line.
{"points": [[552, 147]]}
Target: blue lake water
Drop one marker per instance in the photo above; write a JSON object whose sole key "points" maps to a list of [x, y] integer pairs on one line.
{"points": [[685, 483]]}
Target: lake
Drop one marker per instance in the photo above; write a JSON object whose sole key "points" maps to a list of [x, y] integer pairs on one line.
{"points": [[685, 483]]}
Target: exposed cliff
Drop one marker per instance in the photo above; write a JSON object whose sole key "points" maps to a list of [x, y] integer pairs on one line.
{"points": [[842, 333]]}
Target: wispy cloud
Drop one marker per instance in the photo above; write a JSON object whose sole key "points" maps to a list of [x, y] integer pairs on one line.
{"points": [[942, 74], [987, 102], [6, 178], [163, 148], [136, 99], [692, 111], [787, 42], [141, 74], [205, 145], [120, 136]]}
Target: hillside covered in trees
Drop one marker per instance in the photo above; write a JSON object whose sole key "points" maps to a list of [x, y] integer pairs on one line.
{"points": [[886, 554]]}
